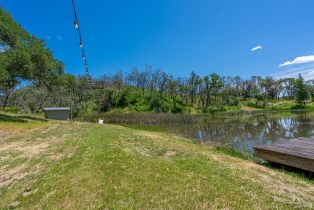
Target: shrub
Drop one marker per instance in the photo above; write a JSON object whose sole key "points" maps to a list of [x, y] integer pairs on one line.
{"points": [[214, 109], [158, 104], [178, 108], [298, 106], [258, 104], [11, 110]]}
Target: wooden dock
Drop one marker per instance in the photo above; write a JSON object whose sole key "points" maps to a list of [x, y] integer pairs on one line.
{"points": [[298, 153]]}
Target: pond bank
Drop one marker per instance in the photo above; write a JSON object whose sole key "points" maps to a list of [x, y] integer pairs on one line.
{"points": [[240, 132]]}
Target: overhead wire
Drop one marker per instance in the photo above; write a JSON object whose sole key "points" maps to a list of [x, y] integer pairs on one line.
{"points": [[81, 45]]}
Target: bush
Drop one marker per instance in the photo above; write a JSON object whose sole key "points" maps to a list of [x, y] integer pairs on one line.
{"points": [[178, 108], [123, 99], [158, 104], [11, 110], [141, 107], [298, 106], [232, 101], [260, 104], [214, 109]]}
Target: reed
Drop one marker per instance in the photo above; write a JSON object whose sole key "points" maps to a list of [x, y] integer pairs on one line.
{"points": [[141, 118]]}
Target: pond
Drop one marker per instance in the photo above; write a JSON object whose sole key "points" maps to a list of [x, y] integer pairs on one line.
{"points": [[243, 132], [240, 132]]}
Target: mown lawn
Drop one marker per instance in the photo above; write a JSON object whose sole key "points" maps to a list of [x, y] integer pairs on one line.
{"points": [[12, 123], [89, 166]]}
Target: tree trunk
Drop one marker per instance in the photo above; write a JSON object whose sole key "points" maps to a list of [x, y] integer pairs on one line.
{"points": [[6, 98], [42, 102]]}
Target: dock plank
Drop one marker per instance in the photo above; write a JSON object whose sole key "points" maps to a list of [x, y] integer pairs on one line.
{"points": [[298, 153]]}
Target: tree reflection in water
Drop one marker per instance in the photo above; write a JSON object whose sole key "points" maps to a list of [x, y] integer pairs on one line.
{"points": [[243, 132]]}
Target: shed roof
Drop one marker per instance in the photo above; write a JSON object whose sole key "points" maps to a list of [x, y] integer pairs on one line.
{"points": [[57, 109]]}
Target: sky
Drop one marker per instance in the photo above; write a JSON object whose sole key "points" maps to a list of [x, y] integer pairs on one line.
{"points": [[228, 37]]}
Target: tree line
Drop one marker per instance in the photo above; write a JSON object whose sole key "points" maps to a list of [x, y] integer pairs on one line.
{"points": [[158, 91]]}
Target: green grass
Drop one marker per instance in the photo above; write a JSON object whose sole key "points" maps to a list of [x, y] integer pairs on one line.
{"points": [[152, 128], [289, 105], [90, 166], [12, 122]]}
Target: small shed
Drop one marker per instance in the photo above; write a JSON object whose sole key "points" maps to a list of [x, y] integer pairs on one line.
{"points": [[62, 113]]}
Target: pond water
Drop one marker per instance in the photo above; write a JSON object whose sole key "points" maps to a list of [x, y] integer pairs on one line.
{"points": [[240, 132]]}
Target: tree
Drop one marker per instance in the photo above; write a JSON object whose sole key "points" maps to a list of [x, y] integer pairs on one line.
{"points": [[271, 87], [25, 59], [173, 88], [311, 88], [288, 87], [118, 81], [216, 84], [11, 33], [301, 90], [193, 83], [15, 65], [162, 80]]}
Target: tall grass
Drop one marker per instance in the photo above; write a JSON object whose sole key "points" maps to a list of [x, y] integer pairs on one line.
{"points": [[141, 118]]}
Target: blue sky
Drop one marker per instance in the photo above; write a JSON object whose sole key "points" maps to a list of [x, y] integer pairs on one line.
{"points": [[243, 37]]}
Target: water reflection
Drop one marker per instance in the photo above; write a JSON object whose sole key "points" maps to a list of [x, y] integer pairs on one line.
{"points": [[243, 132]]}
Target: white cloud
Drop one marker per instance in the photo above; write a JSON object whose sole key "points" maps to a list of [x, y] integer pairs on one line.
{"points": [[59, 37], [306, 74], [306, 70], [299, 60], [258, 47]]}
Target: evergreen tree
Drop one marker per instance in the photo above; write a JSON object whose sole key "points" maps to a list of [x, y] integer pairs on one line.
{"points": [[301, 90]]}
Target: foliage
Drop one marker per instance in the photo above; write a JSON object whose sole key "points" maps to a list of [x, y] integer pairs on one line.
{"points": [[213, 94], [298, 106], [301, 90], [13, 110], [25, 59]]}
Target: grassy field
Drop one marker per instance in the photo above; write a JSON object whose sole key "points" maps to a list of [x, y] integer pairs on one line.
{"points": [[64, 165]]}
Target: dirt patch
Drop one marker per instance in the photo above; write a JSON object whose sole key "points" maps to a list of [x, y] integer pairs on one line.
{"points": [[150, 135], [35, 149], [55, 156], [14, 174], [14, 205], [4, 135], [11, 146], [22, 148], [212, 156], [29, 149], [142, 150], [170, 153], [46, 129]]}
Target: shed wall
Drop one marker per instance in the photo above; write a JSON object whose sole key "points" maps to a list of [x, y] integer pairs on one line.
{"points": [[57, 114]]}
